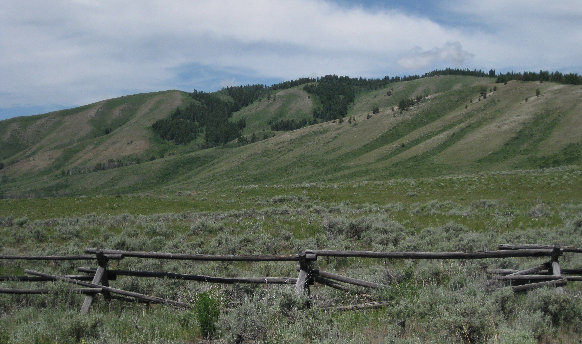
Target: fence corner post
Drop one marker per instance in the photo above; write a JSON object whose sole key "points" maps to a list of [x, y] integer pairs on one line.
{"points": [[99, 278], [556, 270], [306, 272]]}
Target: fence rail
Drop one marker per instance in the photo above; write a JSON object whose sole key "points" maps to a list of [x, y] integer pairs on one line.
{"points": [[112, 275], [96, 279], [203, 257], [438, 255], [78, 257]]}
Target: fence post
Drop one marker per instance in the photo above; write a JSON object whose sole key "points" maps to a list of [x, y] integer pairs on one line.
{"points": [[556, 271], [306, 272], [99, 278]]}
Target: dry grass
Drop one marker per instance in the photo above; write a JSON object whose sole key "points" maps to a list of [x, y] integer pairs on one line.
{"points": [[50, 135], [506, 118], [568, 130]]}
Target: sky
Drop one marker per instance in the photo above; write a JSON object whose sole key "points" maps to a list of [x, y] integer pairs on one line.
{"points": [[64, 53]]}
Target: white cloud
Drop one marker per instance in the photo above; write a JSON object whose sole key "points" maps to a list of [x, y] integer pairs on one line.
{"points": [[78, 51], [523, 34], [451, 53], [229, 83]]}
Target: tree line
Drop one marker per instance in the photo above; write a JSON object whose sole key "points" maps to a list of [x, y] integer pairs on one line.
{"points": [[291, 83], [458, 71], [570, 78], [337, 93]]}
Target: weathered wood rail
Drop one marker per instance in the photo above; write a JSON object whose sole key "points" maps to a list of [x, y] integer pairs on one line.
{"points": [[96, 279], [203, 257], [112, 275]]}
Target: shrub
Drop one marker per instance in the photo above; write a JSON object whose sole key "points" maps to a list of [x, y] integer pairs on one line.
{"points": [[207, 312], [561, 308], [79, 327], [20, 222], [483, 92], [471, 319], [248, 321], [404, 104], [4, 336], [539, 210]]}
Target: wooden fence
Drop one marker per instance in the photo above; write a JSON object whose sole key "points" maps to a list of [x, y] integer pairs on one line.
{"points": [[96, 280]]}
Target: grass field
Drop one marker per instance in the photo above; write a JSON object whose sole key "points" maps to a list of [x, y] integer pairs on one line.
{"points": [[432, 301]]}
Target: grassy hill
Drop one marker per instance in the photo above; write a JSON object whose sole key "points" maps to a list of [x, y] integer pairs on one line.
{"points": [[452, 129], [293, 103], [115, 129]]}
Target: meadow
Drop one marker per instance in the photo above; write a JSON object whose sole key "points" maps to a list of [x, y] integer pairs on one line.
{"points": [[430, 301]]}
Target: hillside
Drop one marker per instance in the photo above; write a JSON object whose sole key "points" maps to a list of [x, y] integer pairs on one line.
{"points": [[452, 129], [115, 129]]}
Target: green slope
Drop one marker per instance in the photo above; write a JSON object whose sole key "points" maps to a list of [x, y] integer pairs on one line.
{"points": [[452, 130], [293, 103], [116, 129]]}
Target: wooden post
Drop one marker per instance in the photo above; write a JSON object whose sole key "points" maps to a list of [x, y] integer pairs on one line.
{"points": [[305, 267], [99, 278], [556, 271]]}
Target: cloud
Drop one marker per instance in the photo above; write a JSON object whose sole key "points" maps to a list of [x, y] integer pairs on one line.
{"points": [[77, 51], [450, 53], [229, 83], [522, 34]]}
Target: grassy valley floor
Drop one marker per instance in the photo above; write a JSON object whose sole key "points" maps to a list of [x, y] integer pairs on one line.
{"points": [[431, 301]]}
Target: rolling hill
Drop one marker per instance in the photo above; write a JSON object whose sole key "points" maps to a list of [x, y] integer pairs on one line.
{"points": [[459, 124], [110, 129]]}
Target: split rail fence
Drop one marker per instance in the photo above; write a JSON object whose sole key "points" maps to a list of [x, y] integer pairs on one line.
{"points": [[96, 280]]}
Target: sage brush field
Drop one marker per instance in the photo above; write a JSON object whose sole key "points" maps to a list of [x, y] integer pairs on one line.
{"points": [[430, 301]]}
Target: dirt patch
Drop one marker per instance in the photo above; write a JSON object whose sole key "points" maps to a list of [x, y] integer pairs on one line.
{"points": [[133, 137], [73, 128], [38, 162], [569, 130], [429, 144], [490, 137], [302, 103], [40, 129], [13, 131], [437, 125], [118, 111]]}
